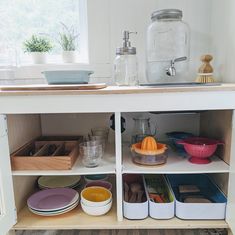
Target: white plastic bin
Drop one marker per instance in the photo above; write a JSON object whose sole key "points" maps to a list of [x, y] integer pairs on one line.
{"points": [[135, 211], [160, 210], [211, 211]]}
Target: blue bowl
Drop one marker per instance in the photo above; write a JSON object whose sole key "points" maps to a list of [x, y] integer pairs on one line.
{"points": [[177, 136], [67, 76]]}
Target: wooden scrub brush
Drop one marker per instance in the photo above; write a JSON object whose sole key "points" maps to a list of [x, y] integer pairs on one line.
{"points": [[205, 72]]}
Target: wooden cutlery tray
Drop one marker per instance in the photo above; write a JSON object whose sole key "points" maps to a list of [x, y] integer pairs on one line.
{"points": [[45, 153]]}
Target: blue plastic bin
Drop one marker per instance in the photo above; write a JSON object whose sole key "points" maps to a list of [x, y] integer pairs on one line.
{"points": [[215, 210]]}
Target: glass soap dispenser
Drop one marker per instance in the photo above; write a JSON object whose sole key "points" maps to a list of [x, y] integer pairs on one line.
{"points": [[125, 63]]}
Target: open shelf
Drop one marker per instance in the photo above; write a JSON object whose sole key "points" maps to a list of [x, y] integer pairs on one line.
{"points": [[107, 166], [174, 223], [77, 219], [175, 165]]}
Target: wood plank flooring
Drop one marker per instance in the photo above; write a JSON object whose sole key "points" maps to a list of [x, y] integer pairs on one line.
{"points": [[123, 232]]}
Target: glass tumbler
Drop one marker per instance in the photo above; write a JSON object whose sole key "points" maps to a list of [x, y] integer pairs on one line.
{"points": [[99, 139], [101, 131], [91, 152]]}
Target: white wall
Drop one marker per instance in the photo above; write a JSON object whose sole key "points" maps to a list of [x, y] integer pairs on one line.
{"points": [[81, 124], [223, 34], [212, 31], [211, 23], [108, 18], [135, 16]]}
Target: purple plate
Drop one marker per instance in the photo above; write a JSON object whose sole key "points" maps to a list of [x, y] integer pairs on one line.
{"points": [[52, 199]]}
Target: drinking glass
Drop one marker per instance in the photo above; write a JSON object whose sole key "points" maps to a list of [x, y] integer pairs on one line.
{"points": [[100, 131], [99, 139], [91, 152]]}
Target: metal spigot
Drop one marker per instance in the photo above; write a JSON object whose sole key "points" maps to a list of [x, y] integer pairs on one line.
{"points": [[171, 71]]}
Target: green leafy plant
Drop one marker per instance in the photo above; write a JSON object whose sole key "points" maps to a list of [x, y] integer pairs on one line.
{"points": [[37, 44], [67, 39]]}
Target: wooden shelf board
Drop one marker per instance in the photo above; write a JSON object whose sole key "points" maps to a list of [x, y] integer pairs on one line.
{"points": [[77, 219], [107, 166], [175, 165], [111, 90], [174, 223]]}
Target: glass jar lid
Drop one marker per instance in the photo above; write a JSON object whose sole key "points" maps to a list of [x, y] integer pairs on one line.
{"points": [[126, 51], [167, 14]]}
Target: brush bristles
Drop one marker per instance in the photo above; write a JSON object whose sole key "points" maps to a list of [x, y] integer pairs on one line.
{"points": [[205, 78]]}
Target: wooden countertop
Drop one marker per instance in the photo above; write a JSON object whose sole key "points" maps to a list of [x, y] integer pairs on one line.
{"points": [[124, 90]]}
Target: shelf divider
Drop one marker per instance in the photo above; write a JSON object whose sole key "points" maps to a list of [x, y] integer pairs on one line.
{"points": [[118, 147]]}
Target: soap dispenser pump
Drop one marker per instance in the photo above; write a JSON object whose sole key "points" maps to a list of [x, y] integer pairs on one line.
{"points": [[125, 64]]}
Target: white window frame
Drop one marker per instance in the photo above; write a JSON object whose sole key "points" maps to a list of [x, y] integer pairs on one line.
{"points": [[95, 25], [95, 51]]}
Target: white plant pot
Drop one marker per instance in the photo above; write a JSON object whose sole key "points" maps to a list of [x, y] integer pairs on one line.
{"points": [[39, 57], [69, 56]]}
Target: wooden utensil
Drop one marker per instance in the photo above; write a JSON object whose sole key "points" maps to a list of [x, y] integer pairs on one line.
{"points": [[126, 192], [139, 196], [135, 189]]}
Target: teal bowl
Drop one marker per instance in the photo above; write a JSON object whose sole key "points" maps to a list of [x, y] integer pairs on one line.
{"points": [[92, 178], [67, 76]]}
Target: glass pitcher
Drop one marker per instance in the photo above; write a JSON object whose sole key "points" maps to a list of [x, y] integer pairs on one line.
{"points": [[141, 129]]}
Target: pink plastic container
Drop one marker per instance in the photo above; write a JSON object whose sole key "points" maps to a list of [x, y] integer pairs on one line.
{"points": [[200, 149]]}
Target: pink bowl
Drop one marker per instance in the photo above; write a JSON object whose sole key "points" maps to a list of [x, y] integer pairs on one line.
{"points": [[100, 183], [200, 149]]}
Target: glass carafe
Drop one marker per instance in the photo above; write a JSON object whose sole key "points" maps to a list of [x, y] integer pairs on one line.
{"points": [[141, 129]]}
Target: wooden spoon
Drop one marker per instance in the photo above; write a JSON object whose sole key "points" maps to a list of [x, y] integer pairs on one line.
{"points": [[126, 192], [135, 189], [139, 196]]}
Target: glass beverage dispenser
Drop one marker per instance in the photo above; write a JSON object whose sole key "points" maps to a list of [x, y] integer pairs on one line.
{"points": [[168, 45]]}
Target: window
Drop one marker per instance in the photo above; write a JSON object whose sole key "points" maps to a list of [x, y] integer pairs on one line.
{"points": [[20, 19]]}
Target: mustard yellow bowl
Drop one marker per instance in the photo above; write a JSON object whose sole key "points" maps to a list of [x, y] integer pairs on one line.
{"points": [[96, 196]]}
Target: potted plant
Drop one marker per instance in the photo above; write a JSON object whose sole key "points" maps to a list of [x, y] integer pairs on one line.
{"points": [[38, 47], [67, 40]]}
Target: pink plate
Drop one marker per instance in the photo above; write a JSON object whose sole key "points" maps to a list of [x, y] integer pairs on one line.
{"points": [[52, 199]]}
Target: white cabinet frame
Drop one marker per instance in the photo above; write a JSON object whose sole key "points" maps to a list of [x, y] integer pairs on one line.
{"points": [[230, 217], [7, 205], [116, 103]]}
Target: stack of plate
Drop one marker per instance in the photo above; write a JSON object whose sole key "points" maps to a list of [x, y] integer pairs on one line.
{"points": [[49, 182], [51, 202]]}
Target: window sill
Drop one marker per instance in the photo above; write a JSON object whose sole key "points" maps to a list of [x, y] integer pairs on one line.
{"points": [[28, 71]]}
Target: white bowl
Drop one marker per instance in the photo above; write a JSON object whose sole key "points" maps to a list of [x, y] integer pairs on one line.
{"points": [[96, 196], [96, 210]]}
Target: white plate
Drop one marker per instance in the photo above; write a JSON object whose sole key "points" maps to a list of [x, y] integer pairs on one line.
{"points": [[59, 181], [60, 212]]}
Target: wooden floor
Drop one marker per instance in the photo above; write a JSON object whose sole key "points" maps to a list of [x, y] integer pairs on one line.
{"points": [[119, 232]]}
